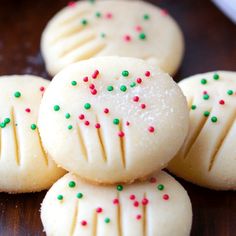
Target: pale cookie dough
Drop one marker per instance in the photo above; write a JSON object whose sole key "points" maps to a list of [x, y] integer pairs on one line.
{"points": [[24, 166], [159, 206], [113, 119], [112, 28], [208, 157]]}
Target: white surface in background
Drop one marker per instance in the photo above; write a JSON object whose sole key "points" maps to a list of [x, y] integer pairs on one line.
{"points": [[228, 7]]}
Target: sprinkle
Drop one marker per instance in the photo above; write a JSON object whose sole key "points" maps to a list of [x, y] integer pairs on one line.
{"points": [[7, 120], [106, 110], [132, 197], [164, 12], [99, 210], [83, 223], [139, 80], [109, 15], [85, 79], [103, 35], [204, 92], [206, 113], [222, 102], [98, 14], [136, 99], [81, 117], [92, 86], [230, 92], [107, 220], [67, 116], [71, 4], [216, 76], [84, 22], [136, 204], [146, 17], [116, 201], [147, 73], [138, 217], [95, 74], [145, 201], [123, 88], [121, 134], [60, 197], [127, 123], [206, 96], [142, 36], [87, 106], [110, 88], [97, 126], [151, 129], [203, 81], [17, 94], [28, 110], [143, 106], [153, 180], [2, 125], [166, 197], [214, 119], [56, 108], [42, 89], [116, 121], [87, 123], [127, 38], [73, 83], [133, 84], [33, 126], [119, 187], [125, 73], [94, 91], [72, 184], [70, 127], [160, 187], [138, 28], [193, 107], [79, 195]]}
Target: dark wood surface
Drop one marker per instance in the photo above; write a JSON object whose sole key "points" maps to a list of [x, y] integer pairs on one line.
{"points": [[210, 45]]}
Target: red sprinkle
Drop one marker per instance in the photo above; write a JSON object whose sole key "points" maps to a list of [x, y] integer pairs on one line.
{"points": [[138, 217], [42, 89], [204, 92], [99, 210], [83, 222], [106, 110], [222, 102], [147, 73], [108, 15], [139, 80], [143, 106], [151, 129], [136, 203], [127, 123], [28, 110], [153, 180], [85, 79], [81, 117], [87, 123], [166, 197], [71, 4], [94, 92], [136, 99], [97, 126], [127, 38], [132, 197], [145, 201], [121, 134], [164, 12], [95, 74], [138, 28], [91, 86], [116, 201]]}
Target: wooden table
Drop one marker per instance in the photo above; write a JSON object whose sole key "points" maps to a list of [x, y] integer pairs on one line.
{"points": [[210, 45]]}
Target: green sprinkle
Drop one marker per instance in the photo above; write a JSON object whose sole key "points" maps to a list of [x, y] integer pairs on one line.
{"points": [[146, 17], [123, 88], [73, 83], [142, 36], [92, 1], [67, 115], [98, 14], [119, 187], [160, 187], [2, 125], [70, 127], [216, 76], [7, 120], [71, 184], [84, 22], [103, 35], [107, 220], [206, 96], [214, 119], [125, 73], [87, 106], [56, 108], [116, 121], [80, 195], [33, 126], [60, 197], [203, 81], [133, 84], [193, 107], [17, 94], [206, 113], [230, 92], [110, 88]]}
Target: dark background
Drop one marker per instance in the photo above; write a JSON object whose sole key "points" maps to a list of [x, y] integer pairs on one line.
{"points": [[210, 45]]}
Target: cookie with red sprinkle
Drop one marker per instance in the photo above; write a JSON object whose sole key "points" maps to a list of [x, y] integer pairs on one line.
{"points": [[208, 156], [138, 209], [109, 137]]}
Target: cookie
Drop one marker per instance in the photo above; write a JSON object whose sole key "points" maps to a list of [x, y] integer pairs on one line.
{"points": [[109, 28], [159, 206], [113, 119], [24, 165], [208, 156]]}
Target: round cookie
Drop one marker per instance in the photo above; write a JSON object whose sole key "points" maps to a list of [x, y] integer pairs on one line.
{"points": [[24, 166], [112, 119], [109, 28], [159, 206], [208, 156]]}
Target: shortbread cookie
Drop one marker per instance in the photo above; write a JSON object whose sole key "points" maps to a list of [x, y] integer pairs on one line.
{"points": [[159, 206], [208, 157], [112, 28], [113, 119], [24, 166]]}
